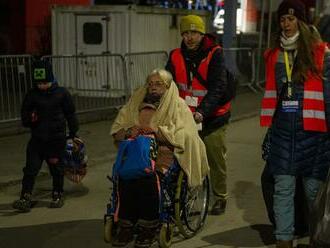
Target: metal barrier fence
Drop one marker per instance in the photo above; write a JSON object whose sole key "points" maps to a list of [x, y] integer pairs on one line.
{"points": [[95, 81], [102, 81], [15, 81], [242, 63], [141, 64], [260, 68]]}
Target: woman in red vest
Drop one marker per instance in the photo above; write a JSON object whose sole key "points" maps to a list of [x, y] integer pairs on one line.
{"points": [[296, 108]]}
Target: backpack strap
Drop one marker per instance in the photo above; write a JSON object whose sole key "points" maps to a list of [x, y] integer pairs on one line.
{"points": [[196, 74]]}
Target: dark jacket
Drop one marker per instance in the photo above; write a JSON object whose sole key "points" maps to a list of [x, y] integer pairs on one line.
{"points": [[53, 108], [295, 151], [216, 80]]}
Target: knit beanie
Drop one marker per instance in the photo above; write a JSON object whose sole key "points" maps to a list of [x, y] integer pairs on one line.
{"points": [[292, 7], [192, 23], [42, 71]]}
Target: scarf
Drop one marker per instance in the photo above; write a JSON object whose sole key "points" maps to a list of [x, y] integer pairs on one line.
{"points": [[289, 43]]}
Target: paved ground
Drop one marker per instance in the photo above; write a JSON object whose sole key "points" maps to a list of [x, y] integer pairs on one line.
{"points": [[79, 222], [12, 148]]}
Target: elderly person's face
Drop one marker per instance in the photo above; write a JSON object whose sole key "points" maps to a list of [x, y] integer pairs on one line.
{"points": [[192, 39], [289, 25], [156, 86]]}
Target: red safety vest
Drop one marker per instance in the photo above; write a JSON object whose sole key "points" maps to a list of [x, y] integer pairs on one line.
{"points": [[313, 102], [197, 89]]}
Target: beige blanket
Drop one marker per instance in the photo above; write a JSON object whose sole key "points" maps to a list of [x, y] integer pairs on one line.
{"points": [[174, 120]]}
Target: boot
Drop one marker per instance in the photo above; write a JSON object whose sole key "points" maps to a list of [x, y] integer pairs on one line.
{"points": [[24, 203], [124, 234], [284, 244], [57, 201], [146, 233], [219, 207]]}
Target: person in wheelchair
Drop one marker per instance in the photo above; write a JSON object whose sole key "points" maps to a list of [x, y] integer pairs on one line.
{"points": [[155, 108]]}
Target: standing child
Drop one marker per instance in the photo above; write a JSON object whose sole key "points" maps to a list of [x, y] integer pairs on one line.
{"points": [[45, 110]]}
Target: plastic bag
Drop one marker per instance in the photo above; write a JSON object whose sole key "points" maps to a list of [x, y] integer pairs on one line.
{"points": [[75, 160], [320, 221]]}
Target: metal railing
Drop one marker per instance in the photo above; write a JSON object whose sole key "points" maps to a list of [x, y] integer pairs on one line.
{"points": [[102, 81], [259, 68], [139, 65], [95, 81], [241, 61], [15, 81]]}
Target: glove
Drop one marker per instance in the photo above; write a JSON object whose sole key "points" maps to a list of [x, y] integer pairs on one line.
{"points": [[198, 117]]}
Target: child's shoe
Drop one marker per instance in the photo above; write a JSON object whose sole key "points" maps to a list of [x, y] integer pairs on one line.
{"points": [[24, 203], [57, 201]]}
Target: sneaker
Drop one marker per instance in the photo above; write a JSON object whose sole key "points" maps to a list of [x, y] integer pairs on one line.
{"points": [[146, 234], [24, 204], [57, 201], [124, 235], [219, 207]]}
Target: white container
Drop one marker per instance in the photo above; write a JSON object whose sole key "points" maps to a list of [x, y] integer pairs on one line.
{"points": [[116, 29]]}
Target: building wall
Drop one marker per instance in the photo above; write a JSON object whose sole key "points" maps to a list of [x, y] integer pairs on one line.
{"points": [[12, 23], [37, 20]]}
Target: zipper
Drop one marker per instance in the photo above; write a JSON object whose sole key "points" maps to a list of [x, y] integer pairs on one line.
{"points": [[293, 125]]}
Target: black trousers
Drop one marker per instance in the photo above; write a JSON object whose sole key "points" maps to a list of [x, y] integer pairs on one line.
{"points": [[139, 199], [38, 151]]}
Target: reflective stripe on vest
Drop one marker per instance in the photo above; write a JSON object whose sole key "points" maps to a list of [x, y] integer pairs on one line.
{"points": [[197, 89], [313, 102]]}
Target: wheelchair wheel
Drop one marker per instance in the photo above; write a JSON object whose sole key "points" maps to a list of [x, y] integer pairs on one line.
{"points": [[191, 205], [109, 228], [166, 235]]}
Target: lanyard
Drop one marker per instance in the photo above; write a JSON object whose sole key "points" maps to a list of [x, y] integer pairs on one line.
{"points": [[288, 70]]}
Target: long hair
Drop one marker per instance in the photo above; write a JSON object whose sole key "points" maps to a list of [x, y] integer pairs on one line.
{"points": [[309, 38]]}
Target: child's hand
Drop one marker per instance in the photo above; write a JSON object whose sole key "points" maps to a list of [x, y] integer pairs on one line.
{"points": [[34, 117]]}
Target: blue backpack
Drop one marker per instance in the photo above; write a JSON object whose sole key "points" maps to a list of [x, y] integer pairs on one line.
{"points": [[135, 158]]}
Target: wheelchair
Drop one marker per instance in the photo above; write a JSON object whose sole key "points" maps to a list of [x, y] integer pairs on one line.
{"points": [[183, 209]]}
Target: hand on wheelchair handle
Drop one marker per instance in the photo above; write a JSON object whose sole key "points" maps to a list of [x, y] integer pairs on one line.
{"points": [[198, 117]]}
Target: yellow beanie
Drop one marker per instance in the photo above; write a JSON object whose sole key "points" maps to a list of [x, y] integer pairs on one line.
{"points": [[192, 23]]}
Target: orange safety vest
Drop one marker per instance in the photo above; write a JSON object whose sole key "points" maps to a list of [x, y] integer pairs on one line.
{"points": [[313, 102], [197, 89]]}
